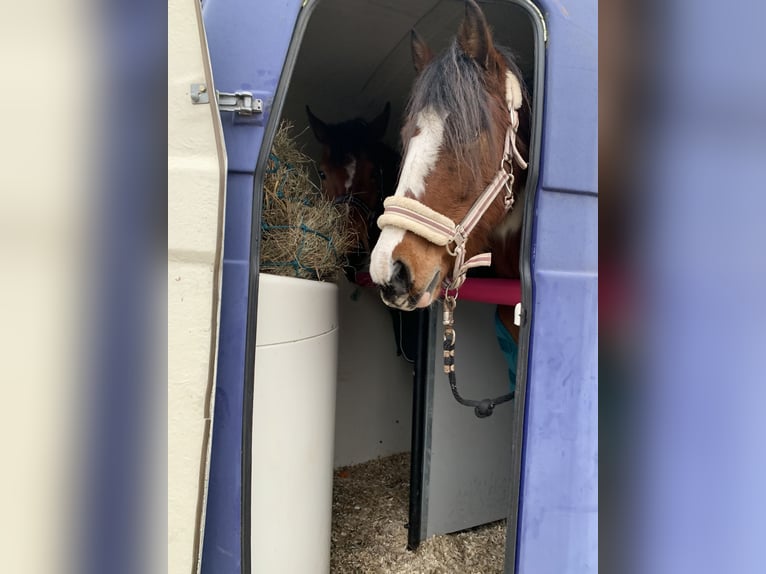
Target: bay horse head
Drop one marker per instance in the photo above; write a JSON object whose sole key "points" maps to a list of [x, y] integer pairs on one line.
{"points": [[465, 129], [354, 170]]}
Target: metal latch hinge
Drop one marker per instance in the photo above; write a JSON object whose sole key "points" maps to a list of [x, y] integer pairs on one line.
{"points": [[242, 103]]}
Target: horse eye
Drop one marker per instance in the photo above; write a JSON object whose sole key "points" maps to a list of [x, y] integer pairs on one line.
{"points": [[322, 174]]}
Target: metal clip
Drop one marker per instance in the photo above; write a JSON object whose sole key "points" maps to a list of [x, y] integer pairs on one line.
{"points": [[509, 199], [449, 336], [242, 103], [448, 317]]}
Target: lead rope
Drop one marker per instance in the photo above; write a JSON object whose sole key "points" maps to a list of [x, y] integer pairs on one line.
{"points": [[485, 407]]}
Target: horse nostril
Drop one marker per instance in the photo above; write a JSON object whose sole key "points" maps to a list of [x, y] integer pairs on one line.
{"points": [[388, 291], [398, 283], [396, 269], [400, 275]]}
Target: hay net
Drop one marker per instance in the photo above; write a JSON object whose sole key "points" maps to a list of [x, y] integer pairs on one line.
{"points": [[303, 234]]}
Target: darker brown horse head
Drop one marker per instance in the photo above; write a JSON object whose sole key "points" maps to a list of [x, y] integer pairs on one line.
{"points": [[354, 169], [459, 112]]}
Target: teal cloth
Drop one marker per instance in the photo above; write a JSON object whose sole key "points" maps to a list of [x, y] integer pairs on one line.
{"points": [[510, 349]]}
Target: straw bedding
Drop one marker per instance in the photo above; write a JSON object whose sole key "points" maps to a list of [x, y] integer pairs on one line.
{"points": [[302, 233], [369, 534]]}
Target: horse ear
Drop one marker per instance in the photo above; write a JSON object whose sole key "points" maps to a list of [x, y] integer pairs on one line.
{"points": [[319, 128], [474, 36], [421, 53], [378, 126]]}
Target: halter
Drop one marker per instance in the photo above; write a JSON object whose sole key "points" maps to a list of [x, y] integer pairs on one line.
{"points": [[411, 215]]}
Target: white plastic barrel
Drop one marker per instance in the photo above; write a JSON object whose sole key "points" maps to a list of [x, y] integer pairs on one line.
{"points": [[293, 425]]}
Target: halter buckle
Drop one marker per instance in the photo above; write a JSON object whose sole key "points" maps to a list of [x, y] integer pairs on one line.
{"points": [[509, 198], [459, 237], [507, 161]]}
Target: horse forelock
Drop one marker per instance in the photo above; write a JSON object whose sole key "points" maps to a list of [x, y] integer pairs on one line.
{"points": [[452, 87], [455, 87]]}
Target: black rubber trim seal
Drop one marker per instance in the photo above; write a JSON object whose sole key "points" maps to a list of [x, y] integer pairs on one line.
{"points": [[527, 289]]}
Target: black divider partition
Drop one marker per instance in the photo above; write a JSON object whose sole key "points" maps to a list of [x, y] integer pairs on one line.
{"points": [[419, 428]]}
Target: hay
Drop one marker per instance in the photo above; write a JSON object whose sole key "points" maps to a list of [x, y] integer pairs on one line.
{"points": [[302, 234], [369, 535]]}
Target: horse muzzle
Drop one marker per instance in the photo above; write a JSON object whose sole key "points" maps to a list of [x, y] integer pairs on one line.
{"points": [[400, 291]]}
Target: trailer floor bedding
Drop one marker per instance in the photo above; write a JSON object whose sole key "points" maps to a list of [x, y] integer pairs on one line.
{"points": [[369, 532]]}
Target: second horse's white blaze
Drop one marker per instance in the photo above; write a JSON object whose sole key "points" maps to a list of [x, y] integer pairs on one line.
{"points": [[422, 153], [350, 171]]}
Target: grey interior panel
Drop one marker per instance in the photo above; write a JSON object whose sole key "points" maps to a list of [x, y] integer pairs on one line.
{"points": [[468, 459]]}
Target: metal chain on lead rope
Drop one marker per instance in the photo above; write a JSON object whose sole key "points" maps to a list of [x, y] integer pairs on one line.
{"points": [[484, 407]]}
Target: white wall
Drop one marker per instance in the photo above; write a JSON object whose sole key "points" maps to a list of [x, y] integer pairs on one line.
{"points": [[374, 394], [196, 189]]}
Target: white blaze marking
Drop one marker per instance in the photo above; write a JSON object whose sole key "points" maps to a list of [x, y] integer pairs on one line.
{"points": [[422, 153], [381, 260], [350, 171]]}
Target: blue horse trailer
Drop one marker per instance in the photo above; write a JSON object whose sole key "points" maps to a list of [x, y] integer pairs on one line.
{"points": [[349, 57]]}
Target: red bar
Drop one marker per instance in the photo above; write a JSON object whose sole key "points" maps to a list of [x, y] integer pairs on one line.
{"points": [[494, 291]]}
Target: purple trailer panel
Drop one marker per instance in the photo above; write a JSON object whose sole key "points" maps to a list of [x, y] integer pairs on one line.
{"points": [[558, 505], [248, 44], [557, 528]]}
